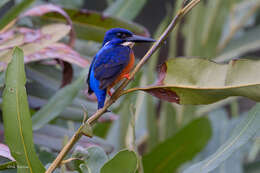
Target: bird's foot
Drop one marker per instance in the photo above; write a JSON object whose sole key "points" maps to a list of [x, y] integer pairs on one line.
{"points": [[127, 76], [108, 111], [109, 93]]}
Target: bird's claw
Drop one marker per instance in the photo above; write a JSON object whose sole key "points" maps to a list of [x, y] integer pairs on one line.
{"points": [[109, 93], [127, 76], [108, 111]]}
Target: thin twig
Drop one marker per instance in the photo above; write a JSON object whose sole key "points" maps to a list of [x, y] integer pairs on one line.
{"points": [[120, 89]]}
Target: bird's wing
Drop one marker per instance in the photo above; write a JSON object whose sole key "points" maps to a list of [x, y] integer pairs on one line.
{"points": [[88, 82], [110, 63]]}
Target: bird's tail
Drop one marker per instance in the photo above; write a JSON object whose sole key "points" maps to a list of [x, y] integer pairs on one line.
{"points": [[101, 97]]}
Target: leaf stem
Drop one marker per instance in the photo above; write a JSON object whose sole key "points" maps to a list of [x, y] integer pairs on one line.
{"points": [[120, 89]]}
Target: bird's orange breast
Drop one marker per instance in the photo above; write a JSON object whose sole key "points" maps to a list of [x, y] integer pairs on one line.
{"points": [[126, 70]]}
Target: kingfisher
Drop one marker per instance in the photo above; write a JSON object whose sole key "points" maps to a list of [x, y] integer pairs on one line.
{"points": [[113, 62]]}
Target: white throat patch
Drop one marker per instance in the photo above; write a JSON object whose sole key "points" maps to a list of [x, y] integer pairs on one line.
{"points": [[128, 43]]}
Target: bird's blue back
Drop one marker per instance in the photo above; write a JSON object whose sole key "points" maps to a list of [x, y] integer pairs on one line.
{"points": [[108, 63]]}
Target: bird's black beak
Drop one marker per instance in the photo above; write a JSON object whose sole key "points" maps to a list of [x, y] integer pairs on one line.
{"points": [[139, 39]]}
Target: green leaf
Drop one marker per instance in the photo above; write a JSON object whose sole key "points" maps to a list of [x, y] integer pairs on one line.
{"points": [[3, 2], [96, 159], [14, 12], [249, 41], [168, 121], [124, 161], [195, 21], [222, 127], [16, 114], [125, 9], [179, 148], [238, 18], [91, 25], [68, 3], [200, 81], [8, 165], [59, 102], [52, 137], [240, 136]]}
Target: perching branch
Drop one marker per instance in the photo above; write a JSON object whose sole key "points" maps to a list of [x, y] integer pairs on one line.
{"points": [[120, 89]]}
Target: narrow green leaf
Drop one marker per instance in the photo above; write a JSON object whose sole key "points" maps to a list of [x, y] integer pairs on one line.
{"points": [[249, 41], [17, 119], [195, 21], [240, 136], [151, 119], [58, 102], [125, 161], [52, 137], [238, 18], [182, 147], [125, 9], [173, 38], [3, 2], [168, 121], [8, 165], [14, 12], [91, 25], [222, 127]]}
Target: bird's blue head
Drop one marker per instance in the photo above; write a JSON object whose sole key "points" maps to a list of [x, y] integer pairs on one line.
{"points": [[120, 35]]}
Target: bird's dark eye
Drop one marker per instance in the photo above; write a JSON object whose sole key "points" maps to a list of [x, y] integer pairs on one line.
{"points": [[121, 35]]}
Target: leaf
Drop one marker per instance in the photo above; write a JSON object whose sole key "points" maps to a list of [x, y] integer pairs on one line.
{"points": [[14, 12], [58, 102], [58, 50], [3, 2], [47, 8], [5, 152], [240, 136], [222, 127], [8, 165], [91, 25], [200, 81], [51, 136], [238, 18], [248, 42], [124, 161], [16, 114], [47, 35], [125, 9], [179, 148], [76, 4], [96, 159]]}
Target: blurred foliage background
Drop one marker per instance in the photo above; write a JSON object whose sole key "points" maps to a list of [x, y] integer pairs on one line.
{"points": [[142, 133]]}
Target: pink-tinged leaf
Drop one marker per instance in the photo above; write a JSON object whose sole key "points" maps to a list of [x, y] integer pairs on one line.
{"points": [[19, 36], [5, 152], [6, 35], [46, 36], [60, 51], [48, 8]]}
